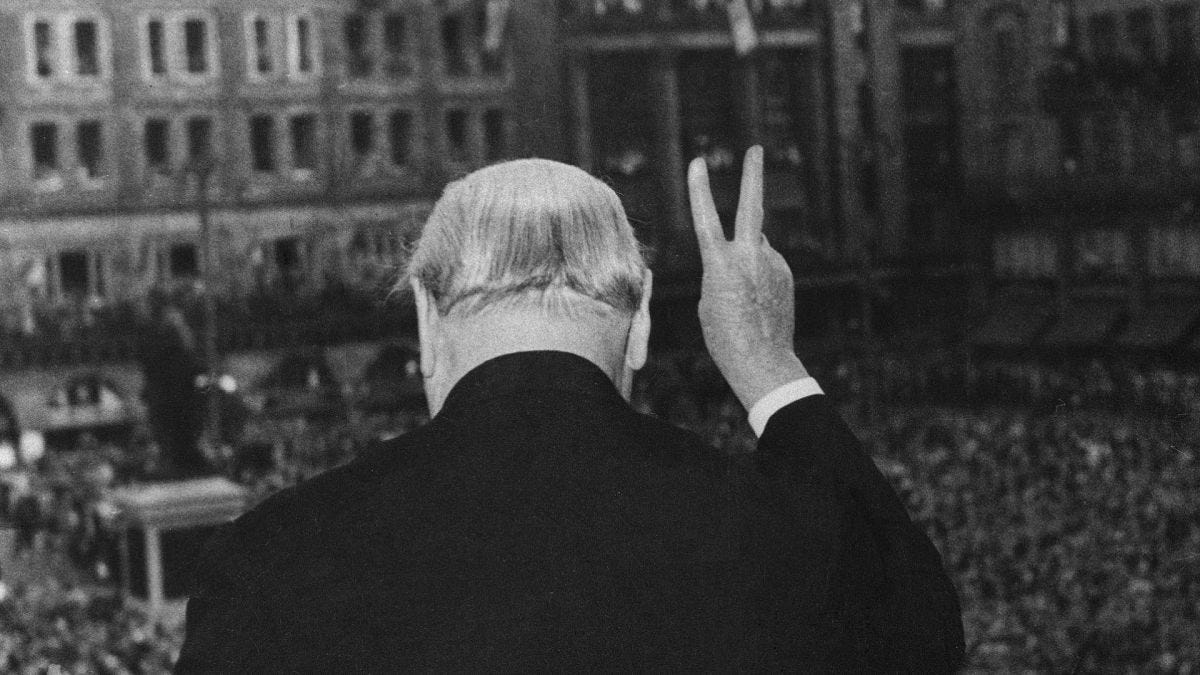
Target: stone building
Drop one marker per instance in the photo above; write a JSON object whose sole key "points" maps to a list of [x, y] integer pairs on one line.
{"points": [[323, 131]]}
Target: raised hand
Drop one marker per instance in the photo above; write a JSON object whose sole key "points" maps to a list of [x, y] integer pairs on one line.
{"points": [[747, 301]]}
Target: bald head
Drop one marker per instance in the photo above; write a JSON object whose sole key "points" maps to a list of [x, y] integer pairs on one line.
{"points": [[530, 229]]}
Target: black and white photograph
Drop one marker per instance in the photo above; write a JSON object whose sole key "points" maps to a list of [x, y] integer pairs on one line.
{"points": [[389, 336]]}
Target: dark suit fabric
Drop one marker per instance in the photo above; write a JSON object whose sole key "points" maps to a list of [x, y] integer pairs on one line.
{"points": [[539, 523]]}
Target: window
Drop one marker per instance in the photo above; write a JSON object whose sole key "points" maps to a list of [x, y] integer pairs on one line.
{"points": [[1102, 34], [74, 273], [182, 45], [87, 49], [304, 59], [1141, 34], [304, 142], [400, 136], [362, 133], [264, 57], [157, 145], [183, 262], [1179, 29], [89, 137], [262, 143], [43, 141], [44, 50], [783, 86], [199, 138], [709, 119], [155, 47], [195, 45], [494, 136], [491, 56], [358, 51], [287, 254], [456, 135], [1107, 142], [395, 46], [1008, 63], [454, 46]]}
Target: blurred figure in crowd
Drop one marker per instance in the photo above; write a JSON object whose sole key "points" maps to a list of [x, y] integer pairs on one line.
{"points": [[539, 523]]}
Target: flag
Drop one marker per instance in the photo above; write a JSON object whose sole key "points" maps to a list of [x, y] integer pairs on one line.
{"points": [[741, 25], [495, 20]]}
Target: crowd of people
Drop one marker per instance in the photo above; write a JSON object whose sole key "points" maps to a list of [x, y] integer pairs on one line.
{"points": [[1058, 495]]}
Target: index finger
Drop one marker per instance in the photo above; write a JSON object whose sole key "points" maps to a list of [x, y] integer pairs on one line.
{"points": [[704, 211], [748, 226]]}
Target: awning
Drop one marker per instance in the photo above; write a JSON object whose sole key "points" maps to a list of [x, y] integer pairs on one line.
{"points": [[1012, 322], [1084, 324], [1159, 326]]}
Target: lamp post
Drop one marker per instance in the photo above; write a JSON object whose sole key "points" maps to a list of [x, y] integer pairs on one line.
{"points": [[202, 167]]}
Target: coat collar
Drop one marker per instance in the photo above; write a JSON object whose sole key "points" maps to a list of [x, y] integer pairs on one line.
{"points": [[524, 373]]}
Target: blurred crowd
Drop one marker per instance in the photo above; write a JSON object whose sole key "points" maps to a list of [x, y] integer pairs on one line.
{"points": [[1060, 495]]}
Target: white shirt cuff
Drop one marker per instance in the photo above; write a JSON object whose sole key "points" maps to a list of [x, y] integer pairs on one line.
{"points": [[760, 412]]}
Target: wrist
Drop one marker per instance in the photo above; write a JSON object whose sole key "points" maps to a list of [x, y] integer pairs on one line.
{"points": [[756, 377]]}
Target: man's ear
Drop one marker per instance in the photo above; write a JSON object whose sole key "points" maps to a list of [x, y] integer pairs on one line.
{"points": [[638, 346], [427, 327]]}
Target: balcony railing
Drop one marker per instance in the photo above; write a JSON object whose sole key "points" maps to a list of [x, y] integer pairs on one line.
{"points": [[643, 15]]}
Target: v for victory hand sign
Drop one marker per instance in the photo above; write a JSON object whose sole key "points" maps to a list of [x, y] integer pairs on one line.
{"points": [[747, 301]]}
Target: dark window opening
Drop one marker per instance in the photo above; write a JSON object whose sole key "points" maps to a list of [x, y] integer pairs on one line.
{"points": [[304, 45], [74, 273], [158, 145], [1007, 55], [709, 118], [1102, 34], [1180, 39], [1071, 132], [155, 44], [287, 254], [199, 138], [87, 48], [1141, 34], [183, 261], [454, 46], [494, 136], [262, 143], [264, 61], [492, 59], [362, 133], [90, 138], [456, 134], [400, 132], [622, 98], [395, 45], [195, 41], [358, 54], [43, 40], [43, 138], [784, 80], [304, 141]]}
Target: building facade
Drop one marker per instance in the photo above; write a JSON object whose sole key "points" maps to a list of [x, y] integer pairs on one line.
{"points": [[1018, 146], [321, 132]]}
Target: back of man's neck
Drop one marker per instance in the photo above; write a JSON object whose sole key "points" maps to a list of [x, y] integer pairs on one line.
{"points": [[471, 341]]}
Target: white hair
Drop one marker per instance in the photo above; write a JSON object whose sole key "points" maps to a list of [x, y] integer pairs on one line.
{"points": [[529, 228]]}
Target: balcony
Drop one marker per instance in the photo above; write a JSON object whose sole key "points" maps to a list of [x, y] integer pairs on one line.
{"points": [[622, 16]]}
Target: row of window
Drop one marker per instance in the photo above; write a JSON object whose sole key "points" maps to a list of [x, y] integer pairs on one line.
{"points": [[1097, 253], [82, 273], [1110, 34], [183, 46], [288, 144]]}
